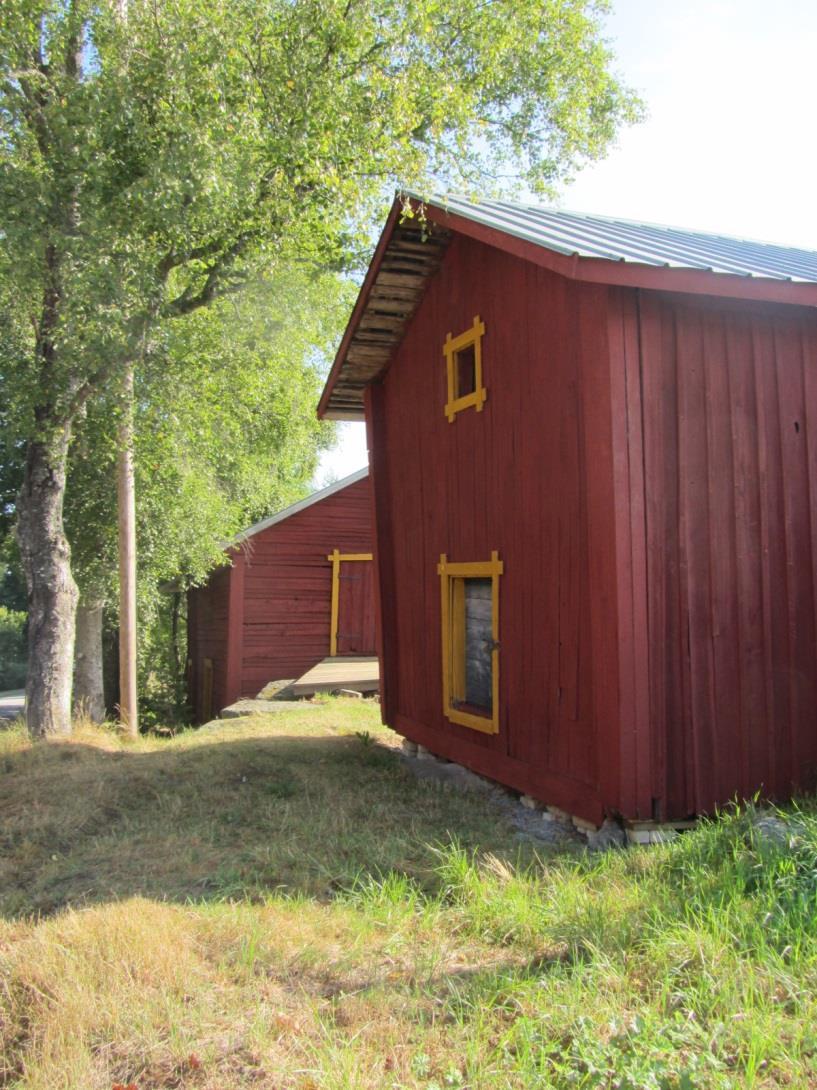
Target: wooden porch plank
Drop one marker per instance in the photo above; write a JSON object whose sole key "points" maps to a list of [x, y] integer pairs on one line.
{"points": [[341, 672]]}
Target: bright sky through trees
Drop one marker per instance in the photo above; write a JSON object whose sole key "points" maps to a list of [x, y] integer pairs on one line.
{"points": [[728, 145]]}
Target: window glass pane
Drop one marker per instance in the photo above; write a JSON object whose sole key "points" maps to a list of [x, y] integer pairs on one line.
{"points": [[478, 643], [466, 362]]}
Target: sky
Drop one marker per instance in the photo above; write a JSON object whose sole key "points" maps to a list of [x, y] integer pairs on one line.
{"points": [[730, 141]]}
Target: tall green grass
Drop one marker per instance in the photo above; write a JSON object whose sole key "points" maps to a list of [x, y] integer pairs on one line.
{"points": [[685, 965]]}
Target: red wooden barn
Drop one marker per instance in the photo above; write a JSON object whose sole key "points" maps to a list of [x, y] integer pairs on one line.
{"points": [[299, 588], [593, 448]]}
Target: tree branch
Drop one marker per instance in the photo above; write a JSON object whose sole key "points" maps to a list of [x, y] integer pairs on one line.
{"points": [[216, 277]]}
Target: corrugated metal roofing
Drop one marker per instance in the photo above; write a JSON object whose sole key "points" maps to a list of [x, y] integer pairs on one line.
{"points": [[575, 233]]}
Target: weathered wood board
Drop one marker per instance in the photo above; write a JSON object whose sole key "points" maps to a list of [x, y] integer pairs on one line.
{"points": [[359, 673]]}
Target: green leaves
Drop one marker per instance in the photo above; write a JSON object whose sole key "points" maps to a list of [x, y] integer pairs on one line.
{"points": [[225, 431], [276, 122], [161, 158]]}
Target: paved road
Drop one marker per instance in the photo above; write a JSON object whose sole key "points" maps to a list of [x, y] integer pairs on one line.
{"points": [[12, 703]]}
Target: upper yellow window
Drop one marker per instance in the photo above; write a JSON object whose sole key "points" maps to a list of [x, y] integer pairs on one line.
{"points": [[470, 642], [463, 361]]}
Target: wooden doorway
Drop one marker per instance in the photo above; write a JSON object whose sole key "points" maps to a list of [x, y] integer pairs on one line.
{"points": [[352, 624]]}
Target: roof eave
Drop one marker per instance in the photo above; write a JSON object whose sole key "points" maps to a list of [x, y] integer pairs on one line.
{"points": [[407, 255], [672, 278], [629, 273], [354, 319], [354, 415]]}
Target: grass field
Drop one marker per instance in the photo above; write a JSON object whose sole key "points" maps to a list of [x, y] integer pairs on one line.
{"points": [[278, 903]]}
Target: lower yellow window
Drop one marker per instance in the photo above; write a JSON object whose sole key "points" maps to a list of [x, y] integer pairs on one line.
{"points": [[470, 642]]}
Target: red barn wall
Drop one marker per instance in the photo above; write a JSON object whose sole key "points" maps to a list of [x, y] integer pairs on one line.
{"points": [[729, 449], [268, 616], [288, 583], [207, 621], [529, 476], [645, 465]]}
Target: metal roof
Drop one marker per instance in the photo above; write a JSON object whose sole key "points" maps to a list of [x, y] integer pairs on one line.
{"points": [[301, 505], [610, 239], [600, 249]]}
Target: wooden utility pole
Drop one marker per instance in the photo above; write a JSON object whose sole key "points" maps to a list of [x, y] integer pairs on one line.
{"points": [[128, 707], [126, 492]]}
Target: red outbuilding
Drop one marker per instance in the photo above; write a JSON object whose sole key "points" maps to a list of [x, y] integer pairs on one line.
{"points": [[593, 449], [299, 588]]}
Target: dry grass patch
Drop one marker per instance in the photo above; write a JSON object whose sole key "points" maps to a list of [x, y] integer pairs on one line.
{"points": [[303, 803], [280, 904], [283, 994]]}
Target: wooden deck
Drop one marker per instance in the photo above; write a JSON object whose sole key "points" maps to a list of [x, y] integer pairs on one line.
{"points": [[361, 673]]}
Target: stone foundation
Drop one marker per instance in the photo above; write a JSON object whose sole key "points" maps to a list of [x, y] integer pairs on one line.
{"points": [[561, 825]]}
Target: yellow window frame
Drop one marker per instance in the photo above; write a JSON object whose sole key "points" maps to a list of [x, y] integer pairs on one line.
{"points": [[452, 346], [337, 559], [452, 591]]}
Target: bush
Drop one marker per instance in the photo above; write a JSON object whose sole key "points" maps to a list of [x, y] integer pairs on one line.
{"points": [[13, 658]]}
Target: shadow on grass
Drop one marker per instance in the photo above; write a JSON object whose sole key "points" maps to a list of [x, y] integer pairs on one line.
{"points": [[227, 819]]}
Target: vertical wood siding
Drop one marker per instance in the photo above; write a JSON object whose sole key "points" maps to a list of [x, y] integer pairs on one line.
{"points": [[514, 478], [730, 469], [646, 466]]}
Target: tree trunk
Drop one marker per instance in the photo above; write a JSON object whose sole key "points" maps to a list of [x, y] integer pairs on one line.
{"points": [[52, 592], [89, 692]]}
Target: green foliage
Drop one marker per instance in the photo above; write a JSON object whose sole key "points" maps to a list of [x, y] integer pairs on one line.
{"points": [[148, 166], [225, 433], [12, 649]]}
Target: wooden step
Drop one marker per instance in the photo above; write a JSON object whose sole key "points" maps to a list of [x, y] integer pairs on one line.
{"points": [[358, 672]]}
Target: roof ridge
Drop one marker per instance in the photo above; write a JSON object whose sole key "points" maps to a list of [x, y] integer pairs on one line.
{"points": [[442, 201]]}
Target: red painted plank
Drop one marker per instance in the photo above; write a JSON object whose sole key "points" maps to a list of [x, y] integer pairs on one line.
{"points": [[384, 596], [207, 637], [235, 629], [750, 691], [799, 552], [497, 479], [640, 758]]}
